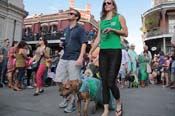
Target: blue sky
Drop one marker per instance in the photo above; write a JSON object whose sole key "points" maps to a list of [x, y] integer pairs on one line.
{"points": [[130, 9]]}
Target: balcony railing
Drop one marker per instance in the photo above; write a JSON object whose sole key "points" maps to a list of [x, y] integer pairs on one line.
{"points": [[156, 32], [162, 2], [48, 36], [4, 0], [51, 36]]}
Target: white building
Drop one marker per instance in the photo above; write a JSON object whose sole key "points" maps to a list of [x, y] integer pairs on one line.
{"points": [[12, 14], [158, 26]]}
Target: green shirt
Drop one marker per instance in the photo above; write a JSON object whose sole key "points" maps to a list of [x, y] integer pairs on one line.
{"points": [[110, 40]]}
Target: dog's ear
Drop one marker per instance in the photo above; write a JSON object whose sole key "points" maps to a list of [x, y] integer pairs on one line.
{"points": [[79, 82], [75, 85], [67, 85], [68, 81]]}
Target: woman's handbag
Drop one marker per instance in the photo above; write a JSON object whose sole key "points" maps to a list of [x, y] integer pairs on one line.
{"points": [[36, 64], [148, 68]]}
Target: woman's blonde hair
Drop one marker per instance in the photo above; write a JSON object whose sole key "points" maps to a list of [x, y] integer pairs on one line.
{"points": [[103, 12]]}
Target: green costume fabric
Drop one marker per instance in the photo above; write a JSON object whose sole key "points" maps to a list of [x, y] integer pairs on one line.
{"points": [[143, 66], [91, 85]]}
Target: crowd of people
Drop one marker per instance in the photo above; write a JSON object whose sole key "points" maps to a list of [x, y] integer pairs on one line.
{"points": [[158, 69], [22, 67], [107, 60]]}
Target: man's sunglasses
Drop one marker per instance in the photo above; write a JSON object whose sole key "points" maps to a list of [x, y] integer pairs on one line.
{"points": [[107, 3], [72, 14]]}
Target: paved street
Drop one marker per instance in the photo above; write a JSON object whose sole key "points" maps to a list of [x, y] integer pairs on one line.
{"points": [[151, 101]]}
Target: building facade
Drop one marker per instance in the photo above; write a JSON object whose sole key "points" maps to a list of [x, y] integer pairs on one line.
{"points": [[52, 25], [159, 25], [12, 14]]}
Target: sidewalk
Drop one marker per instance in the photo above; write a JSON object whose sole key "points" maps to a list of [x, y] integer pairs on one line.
{"points": [[151, 101]]}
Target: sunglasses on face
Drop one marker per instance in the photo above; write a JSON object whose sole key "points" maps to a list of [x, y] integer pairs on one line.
{"points": [[40, 39], [107, 3], [72, 14]]}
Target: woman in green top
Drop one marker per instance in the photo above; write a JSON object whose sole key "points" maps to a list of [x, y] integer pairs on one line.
{"points": [[112, 26]]}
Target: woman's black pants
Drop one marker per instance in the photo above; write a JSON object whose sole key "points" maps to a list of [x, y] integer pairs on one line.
{"points": [[109, 65]]}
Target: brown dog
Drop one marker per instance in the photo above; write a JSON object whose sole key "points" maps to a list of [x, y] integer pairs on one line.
{"points": [[73, 87]]}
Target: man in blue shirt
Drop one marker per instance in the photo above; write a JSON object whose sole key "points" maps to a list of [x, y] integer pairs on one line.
{"points": [[70, 64], [5, 60]]}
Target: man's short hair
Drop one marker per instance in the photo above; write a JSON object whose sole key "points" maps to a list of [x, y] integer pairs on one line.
{"points": [[77, 13], [6, 40]]}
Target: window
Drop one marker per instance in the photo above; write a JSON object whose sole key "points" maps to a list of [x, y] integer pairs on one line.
{"points": [[2, 27], [171, 23]]}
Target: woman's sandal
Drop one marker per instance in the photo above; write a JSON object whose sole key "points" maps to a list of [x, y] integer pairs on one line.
{"points": [[104, 114], [16, 89], [120, 112], [10, 86], [36, 94], [172, 87]]}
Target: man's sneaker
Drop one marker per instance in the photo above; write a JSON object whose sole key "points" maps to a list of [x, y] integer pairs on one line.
{"points": [[152, 82], [64, 103], [30, 87], [70, 108]]}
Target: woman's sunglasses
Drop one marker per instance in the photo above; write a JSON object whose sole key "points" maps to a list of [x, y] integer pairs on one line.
{"points": [[107, 3]]}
